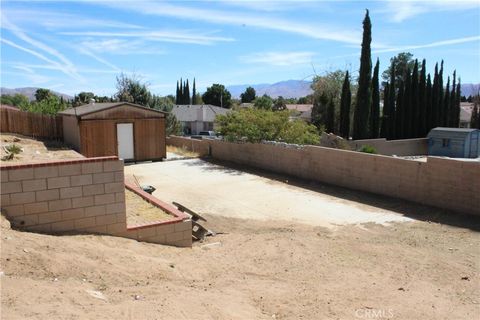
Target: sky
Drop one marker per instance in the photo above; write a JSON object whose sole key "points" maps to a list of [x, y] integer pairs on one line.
{"points": [[74, 46]]}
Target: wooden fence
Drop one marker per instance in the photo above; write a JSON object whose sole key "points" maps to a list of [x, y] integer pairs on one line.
{"points": [[31, 124]]}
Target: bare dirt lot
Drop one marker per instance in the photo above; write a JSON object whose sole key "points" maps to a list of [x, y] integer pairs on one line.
{"points": [[271, 264], [261, 270], [35, 150]]}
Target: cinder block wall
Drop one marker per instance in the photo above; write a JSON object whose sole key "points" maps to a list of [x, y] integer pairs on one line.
{"points": [[199, 146], [439, 182], [404, 147], [85, 195]]}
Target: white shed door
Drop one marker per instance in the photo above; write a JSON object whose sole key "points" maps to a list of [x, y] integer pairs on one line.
{"points": [[125, 141]]}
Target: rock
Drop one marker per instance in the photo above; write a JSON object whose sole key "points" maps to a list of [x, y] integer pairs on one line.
{"points": [[96, 294], [211, 245]]}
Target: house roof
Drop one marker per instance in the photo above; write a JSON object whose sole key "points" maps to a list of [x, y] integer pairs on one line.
{"points": [[7, 106], [96, 107], [300, 107], [197, 112]]}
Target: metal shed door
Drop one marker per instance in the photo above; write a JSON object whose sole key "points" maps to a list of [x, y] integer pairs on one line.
{"points": [[125, 141]]}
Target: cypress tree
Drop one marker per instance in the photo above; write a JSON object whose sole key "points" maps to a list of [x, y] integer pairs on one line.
{"points": [[435, 103], [407, 106], [375, 105], [440, 95], [475, 118], [422, 101], [445, 106], [194, 93], [391, 103], [400, 113], [187, 93], [345, 102], [181, 91], [451, 103], [415, 113], [428, 109], [362, 108], [458, 97], [177, 94], [330, 119], [385, 111]]}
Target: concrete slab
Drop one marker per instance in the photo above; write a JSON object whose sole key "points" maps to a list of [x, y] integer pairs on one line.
{"points": [[218, 190]]}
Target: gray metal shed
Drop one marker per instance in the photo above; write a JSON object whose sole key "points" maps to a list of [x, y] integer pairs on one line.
{"points": [[454, 142]]}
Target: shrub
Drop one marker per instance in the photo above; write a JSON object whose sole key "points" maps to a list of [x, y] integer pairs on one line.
{"points": [[13, 148], [255, 125], [368, 149]]}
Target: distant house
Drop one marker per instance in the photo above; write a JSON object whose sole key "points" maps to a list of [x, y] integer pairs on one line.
{"points": [[301, 111], [454, 142], [197, 117], [466, 109]]}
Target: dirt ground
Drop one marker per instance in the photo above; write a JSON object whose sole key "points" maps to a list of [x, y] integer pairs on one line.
{"points": [[141, 212], [35, 150], [260, 270]]}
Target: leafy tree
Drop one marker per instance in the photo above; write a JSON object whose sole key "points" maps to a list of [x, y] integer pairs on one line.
{"points": [[360, 120], [375, 106], [17, 100], [249, 95], [280, 104], [42, 94], [456, 105], [446, 105], [386, 111], [186, 94], [51, 105], [306, 100], [414, 112], [400, 64], [256, 125], [132, 90], [319, 111], [264, 102], [217, 95]]}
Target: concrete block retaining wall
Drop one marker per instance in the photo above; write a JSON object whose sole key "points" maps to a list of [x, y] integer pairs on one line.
{"points": [[439, 182], [85, 195]]}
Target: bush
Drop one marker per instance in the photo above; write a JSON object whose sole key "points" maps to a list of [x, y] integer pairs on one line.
{"points": [[368, 149], [256, 125], [13, 148]]}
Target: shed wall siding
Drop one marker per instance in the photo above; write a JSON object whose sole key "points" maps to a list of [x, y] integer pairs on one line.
{"points": [[71, 132]]}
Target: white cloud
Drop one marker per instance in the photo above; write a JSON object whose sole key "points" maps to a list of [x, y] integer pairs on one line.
{"points": [[64, 64], [279, 58], [401, 10], [161, 36], [431, 45], [238, 19], [62, 20]]}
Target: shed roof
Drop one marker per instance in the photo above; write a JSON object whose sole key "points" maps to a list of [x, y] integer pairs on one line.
{"points": [[442, 130], [96, 107]]}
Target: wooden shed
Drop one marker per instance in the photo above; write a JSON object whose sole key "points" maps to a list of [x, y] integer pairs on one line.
{"points": [[129, 131]]}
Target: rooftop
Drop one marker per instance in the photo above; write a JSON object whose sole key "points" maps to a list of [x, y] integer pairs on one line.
{"points": [[95, 107]]}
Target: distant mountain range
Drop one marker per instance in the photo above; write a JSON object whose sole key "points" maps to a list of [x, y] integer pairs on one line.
{"points": [[30, 92], [286, 89]]}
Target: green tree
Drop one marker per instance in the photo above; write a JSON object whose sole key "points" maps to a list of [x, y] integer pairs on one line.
{"points": [[319, 111], [256, 125], [217, 95], [17, 100], [280, 104], [385, 111], [249, 95], [186, 94], [375, 106], [130, 89], [422, 101], [194, 94], [51, 105], [446, 105], [264, 102], [363, 98], [345, 103], [475, 118], [399, 64], [414, 96], [42, 94], [330, 116]]}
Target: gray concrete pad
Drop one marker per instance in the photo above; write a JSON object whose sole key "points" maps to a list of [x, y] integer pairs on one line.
{"points": [[217, 190]]}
